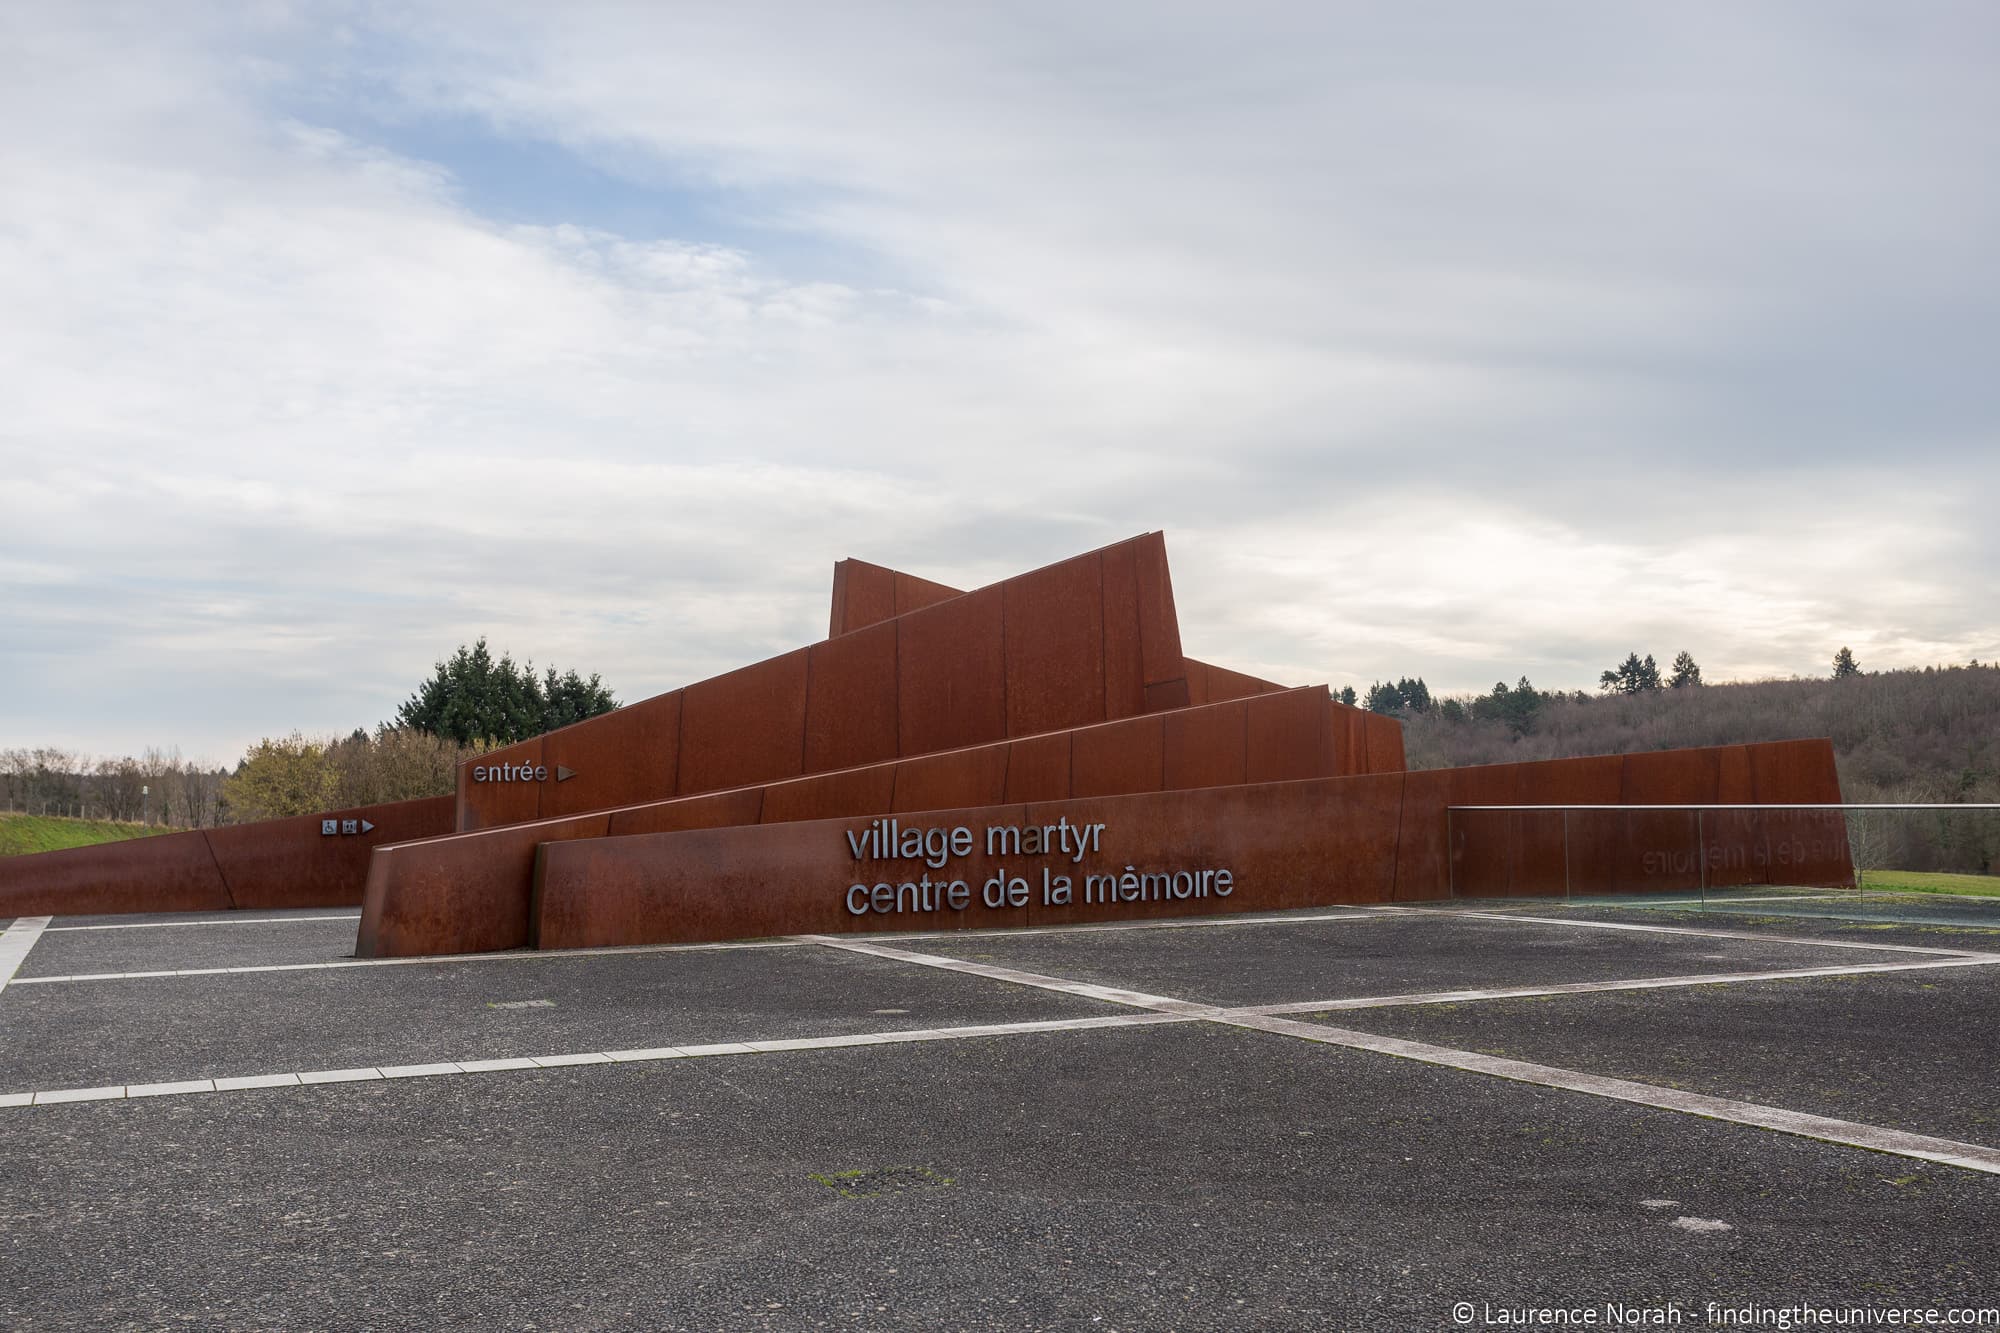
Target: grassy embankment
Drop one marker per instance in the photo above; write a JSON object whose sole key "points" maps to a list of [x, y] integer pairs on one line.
{"points": [[21, 834], [1917, 881]]}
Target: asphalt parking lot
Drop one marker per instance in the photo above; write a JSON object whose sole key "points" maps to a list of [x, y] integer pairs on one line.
{"points": [[1345, 1118]]}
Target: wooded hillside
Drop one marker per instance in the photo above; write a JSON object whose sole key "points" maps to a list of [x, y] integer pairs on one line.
{"points": [[1929, 735]]}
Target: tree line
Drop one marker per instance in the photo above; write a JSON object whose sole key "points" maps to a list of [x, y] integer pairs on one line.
{"points": [[1915, 736], [154, 787], [288, 775], [1516, 707], [471, 703]]}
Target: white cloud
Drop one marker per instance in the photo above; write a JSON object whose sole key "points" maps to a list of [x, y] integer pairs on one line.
{"points": [[1461, 346]]}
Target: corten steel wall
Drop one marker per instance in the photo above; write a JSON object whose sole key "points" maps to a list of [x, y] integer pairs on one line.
{"points": [[470, 892], [864, 594], [1497, 854], [1384, 736], [890, 592], [1368, 839], [274, 863], [1090, 639], [1211, 684], [475, 892], [172, 872], [741, 883]]}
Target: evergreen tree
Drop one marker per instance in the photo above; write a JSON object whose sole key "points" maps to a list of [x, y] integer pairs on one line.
{"points": [[1517, 707], [473, 699], [1844, 664], [1632, 676], [1404, 697], [570, 698], [1348, 696], [1685, 671]]}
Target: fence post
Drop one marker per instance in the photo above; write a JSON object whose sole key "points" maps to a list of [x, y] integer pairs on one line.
{"points": [[1860, 879], [1450, 863], [1701, 852], [1565, 856]]}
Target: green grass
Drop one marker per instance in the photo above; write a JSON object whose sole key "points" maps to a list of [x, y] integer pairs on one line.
{"points": [[21, 834], [1920, 881]]}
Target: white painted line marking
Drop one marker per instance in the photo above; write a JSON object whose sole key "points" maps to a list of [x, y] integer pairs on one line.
{"points": [[15, 942], [528, 955], [80, 1095], [721, 1048], [649, 1053], [718, 1048], [1165, 1009], [248, 1081], [1949, 1151], [1972, 1156], [940, 1034], [1719, 898], [851, 1039], [1647, 929], [1945, 1151], [245, 921], [1593, 987], [496, 1066], [1353, 914], [1724, 897], [170, 1089], [1108, 994]]}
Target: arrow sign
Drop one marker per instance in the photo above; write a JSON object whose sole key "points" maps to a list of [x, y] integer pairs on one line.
{"points": [[564, 774], [367, 827]]}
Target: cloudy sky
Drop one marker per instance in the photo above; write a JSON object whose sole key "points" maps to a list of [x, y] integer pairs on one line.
{"points": [[1461, 340]]}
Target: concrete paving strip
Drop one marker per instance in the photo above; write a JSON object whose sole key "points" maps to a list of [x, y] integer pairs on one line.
{"points": [[222, 921], [1726, 902], [1351, 914], [1641, 928], [1348, 915], [1167, 1004], [1089, 991], [1972, 1156], [1593, 987], [517, 956], [444, 1068], [1720, 902], [1159, 1009], [15, 942]]}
